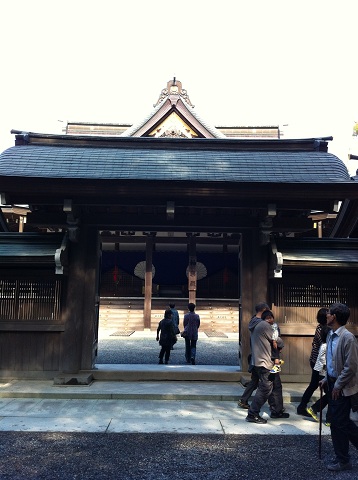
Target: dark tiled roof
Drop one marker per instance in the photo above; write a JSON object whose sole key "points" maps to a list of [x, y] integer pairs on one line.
{"points": [[173, 164], [327, 252], [33, 248]]}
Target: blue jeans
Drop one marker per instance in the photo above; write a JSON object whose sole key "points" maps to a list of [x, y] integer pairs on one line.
{"points": [[269, 387], [190, 348], [343, 430]]}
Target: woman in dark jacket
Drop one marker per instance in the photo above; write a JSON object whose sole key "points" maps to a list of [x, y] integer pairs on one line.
{"points": [[167, 336], [317, 342]]}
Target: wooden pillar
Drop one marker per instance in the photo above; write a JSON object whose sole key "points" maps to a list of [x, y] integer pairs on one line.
{"points": [[80, 305], [21, 223], [148, 282], [192, 276], [254, 285], [91, 301]]}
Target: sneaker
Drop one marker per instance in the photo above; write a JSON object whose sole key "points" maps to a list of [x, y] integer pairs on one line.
{"points": [[276, 369], [312, 413], [338, 467], [193, 361], [255, 419], [280, 415], [160, 362], [242, 404], [303, 412]]}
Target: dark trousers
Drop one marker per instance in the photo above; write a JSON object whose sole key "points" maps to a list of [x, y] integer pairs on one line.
{"points": [[318, 406], [343, 429], [251, 386], [312, 387], [190, 349], [165, 350], [269, 386], [275, 398]]}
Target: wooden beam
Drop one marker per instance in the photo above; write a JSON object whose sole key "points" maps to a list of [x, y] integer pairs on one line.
{"points": [[229, 222], [202, 239]]}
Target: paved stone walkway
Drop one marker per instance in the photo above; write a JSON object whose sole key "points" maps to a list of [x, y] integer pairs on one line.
{"points": [[166, 406]]}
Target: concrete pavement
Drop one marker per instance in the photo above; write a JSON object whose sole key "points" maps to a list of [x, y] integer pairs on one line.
{"points": [[142, 407]]}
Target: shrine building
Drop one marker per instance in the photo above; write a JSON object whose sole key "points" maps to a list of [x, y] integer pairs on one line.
{"points": [[109, 222]]}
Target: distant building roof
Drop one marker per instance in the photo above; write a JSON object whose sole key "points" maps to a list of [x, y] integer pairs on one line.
{"points": [[173, 116]]}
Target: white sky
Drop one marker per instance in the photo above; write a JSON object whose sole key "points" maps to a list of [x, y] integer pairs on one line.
{"points": [[242, 62]]}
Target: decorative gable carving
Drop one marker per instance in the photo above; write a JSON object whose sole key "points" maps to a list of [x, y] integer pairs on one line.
{"points": [[173, 126], [174, 88]]}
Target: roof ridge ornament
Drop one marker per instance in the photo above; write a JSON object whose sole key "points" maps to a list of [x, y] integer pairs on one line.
{"points": [[174, 87]]}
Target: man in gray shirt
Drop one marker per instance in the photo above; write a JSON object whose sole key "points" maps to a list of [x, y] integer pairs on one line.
{"points": [[269, 383]]}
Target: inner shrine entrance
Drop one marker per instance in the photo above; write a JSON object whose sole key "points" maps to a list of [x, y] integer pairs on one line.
{"points": [[254, 194]]}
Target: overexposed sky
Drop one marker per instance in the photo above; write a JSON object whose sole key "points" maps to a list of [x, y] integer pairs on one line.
{"points": [[242, 63]]}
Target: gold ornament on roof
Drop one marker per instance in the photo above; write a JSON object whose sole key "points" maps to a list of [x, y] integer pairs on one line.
{"points": [[174, 87]]}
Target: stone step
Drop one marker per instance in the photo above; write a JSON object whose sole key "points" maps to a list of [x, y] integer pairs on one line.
{"points": [[181, 373], [154, 373], [144, 390]]}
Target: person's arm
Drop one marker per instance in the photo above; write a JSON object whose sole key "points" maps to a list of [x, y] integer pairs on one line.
{"points": [[317, 339], [274, 352], [158, 330], [350, 353], [321, 359]]}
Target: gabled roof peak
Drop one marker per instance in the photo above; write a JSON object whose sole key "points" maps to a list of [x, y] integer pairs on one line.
{"points": [[174, 91]]}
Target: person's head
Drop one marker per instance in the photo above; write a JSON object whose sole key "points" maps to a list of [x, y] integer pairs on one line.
{"points": [[191, 307], [268, 316], [322, 316], [324, 332], [172, 305], [168, 314], [261, 307], [337, 315]]}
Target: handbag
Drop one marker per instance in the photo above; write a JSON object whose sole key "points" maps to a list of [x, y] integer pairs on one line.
{"points": [[184, 334]]}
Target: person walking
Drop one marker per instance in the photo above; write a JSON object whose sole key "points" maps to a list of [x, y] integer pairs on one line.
{"points": [[342, 381], [167, 336], [191, 326], [316, 343], [175, 319], [320, 366], [251, 386], [269, 383]]}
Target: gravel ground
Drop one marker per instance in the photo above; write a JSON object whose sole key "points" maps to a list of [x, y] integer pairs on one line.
{"points": [[165, 456], [132, 350]]}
